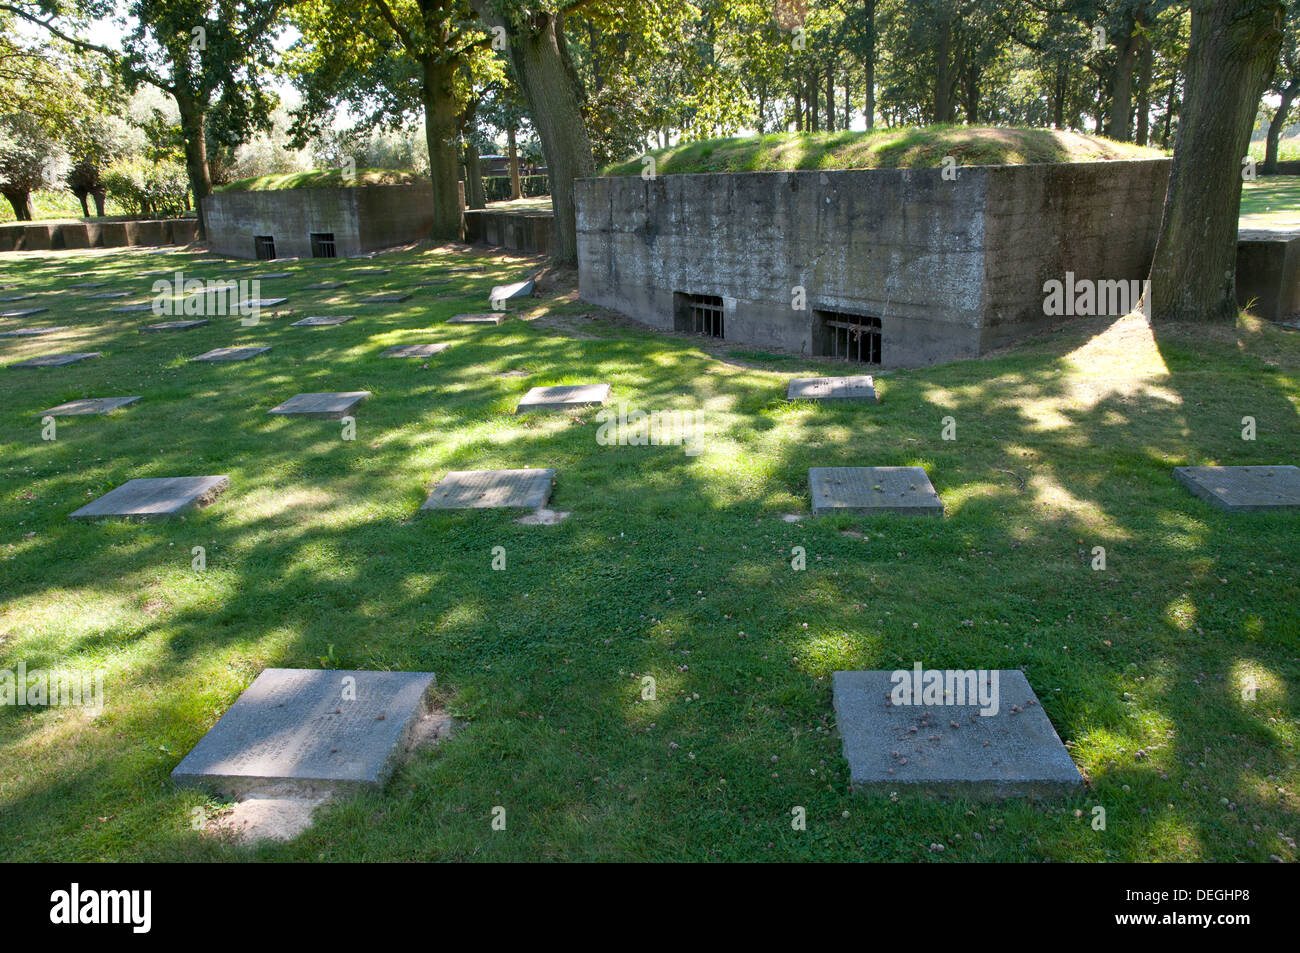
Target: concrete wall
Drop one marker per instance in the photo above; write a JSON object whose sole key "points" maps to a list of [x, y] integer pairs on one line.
{"points": [[522, 230], [361, 219], [951, 267], [27, 236], [1268, 273]]}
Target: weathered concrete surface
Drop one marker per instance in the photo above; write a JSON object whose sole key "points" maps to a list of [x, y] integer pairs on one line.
{"points": [[389, 297], [416, 350], [325, 286], [174, 325], [323, 321], [951, 268], [155, 497], [861, 387], [565, 397], [361, 219], [220, 354], [58, 360], [519, 230], [88, 405], [1268, 273], [310, 729], [32, 332], [22, 312], [486, 317], [916, 749], [489, 489], [872, 490], [326, 406], [512, 292], [1243, 489]]}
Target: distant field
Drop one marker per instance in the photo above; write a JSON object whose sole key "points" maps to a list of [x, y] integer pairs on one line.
{"points": [[906, 148]]}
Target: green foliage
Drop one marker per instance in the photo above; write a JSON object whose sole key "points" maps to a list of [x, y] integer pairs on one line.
{"points": [[496, 188], [322, 179], [146, 188]]}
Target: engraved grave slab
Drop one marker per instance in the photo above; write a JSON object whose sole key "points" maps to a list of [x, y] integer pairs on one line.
{"points": [[487, 489], [155, 497], [325, 406], [563, 398], [88, 405], [323, 321], [230, 354], [57, 360], [306, 728], [1243, 489], [416, 350], [486, 317], [174, 325], [831, 388], [868, 490], [1003, 744]]}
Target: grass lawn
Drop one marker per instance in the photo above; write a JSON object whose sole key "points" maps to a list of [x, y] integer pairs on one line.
{"points": [[904, 147], [1271, 202], [672, 565], [320, 178]]}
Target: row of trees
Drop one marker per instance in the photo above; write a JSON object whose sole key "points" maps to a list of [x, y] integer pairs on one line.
{"points": [[599, 79]]}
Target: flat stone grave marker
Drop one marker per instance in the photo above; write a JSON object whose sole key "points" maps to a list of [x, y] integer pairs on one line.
{"points": [[261, 303], [87, 285], [325, 286], [491, 489], [1012, 751], [23, 312], [563, 398], [88, 405], [503, 293], [324, 321], [369, 272], [31, 332], [276, 274], [869, 490], [12, 298], [155, 497], [175, 325], [134, 308], [104, 295], [1243, 489], [58, 360], [327, 406], [310, 728], [416, 350], [831, 388], [485, 317], [230, 354], [394, 297]]}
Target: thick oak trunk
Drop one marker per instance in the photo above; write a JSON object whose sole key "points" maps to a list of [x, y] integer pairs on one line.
{"points": [[194, 130], [1232, 54], [554, 96], [440, 139]]}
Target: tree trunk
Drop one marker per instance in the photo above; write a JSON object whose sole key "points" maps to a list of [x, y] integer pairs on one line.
{"points": [[98, 196], [798, 108], [1120, 126], [194, 122], [1058, 95], [1144, 92], [440, 139], [1230, 61], [943, 84], [1169, 111], [81, 197], [21, 200], [869, 65], [1277, 125], [550, 85], [814, 103], [830, 99], [516, 189]]}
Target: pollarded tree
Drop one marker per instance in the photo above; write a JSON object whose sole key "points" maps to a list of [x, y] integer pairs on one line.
{"points": [[208, 55], [30, 159], [1234, 49], [391, 60]]}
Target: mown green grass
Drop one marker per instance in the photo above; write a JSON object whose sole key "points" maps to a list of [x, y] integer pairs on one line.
{"points": [[908, 147], [320, 179], [673, 566], [1271, 202]]}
